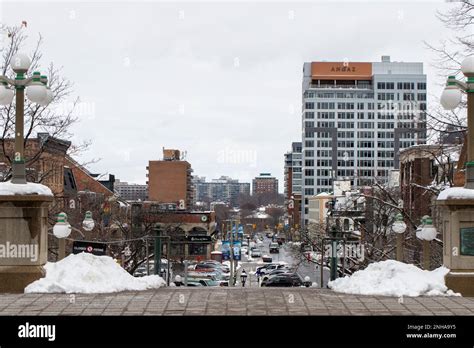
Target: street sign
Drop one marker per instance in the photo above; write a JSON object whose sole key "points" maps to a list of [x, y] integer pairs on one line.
{"points": [[94, 248], [203, 239]]}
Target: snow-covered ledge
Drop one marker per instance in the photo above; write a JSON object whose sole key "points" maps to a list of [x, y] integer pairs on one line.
{"points": [[457, 220], [456, 193], [9, 189]]}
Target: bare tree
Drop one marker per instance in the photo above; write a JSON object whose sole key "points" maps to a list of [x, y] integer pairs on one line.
{"points": [[55, 119], [449, 55]]}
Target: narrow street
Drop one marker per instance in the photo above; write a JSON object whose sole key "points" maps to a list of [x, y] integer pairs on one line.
{"points": [[304, 269]]}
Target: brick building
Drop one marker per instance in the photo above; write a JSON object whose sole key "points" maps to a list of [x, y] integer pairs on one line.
{"points": [[264, 183], [45, 158], [191, 233], [170, 180], [424, 169]]}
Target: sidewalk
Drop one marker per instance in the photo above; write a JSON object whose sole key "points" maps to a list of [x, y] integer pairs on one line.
{"points": [[225, 301]]}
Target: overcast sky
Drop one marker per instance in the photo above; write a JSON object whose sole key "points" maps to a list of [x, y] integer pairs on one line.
{"points": [[219, 80]]}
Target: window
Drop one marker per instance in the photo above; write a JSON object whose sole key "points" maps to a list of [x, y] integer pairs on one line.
{"points": [[309, 143], [381, 85], [326, 115], [360, 106], [325, 105], [421, 96], [421, 85], [309, 124], [309, 114], [309, 106]]}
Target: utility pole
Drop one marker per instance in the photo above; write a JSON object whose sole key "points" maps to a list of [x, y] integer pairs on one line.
{"points": [[157, 249], [231, 254]]}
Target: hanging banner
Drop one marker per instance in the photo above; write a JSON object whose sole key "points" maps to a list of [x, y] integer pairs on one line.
{"points": [[225, 250], [237, 248]]}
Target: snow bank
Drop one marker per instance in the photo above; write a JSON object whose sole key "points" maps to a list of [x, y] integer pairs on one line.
{"points": [[393, 278], [9, 189], [456, 193], [87, 273]]}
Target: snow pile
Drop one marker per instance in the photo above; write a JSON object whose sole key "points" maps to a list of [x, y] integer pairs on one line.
{"points": [[393, 278], [456, 193], [9, 189], [87, 273]]}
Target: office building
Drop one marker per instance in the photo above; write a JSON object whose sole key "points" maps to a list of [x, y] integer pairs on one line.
{"points": [[355, 119]]}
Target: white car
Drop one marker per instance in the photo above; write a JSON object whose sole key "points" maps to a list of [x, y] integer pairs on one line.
{"points": [[255, 253]]}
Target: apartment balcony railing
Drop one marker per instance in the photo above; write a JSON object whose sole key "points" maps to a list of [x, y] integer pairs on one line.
{"points": [[338, 86]]}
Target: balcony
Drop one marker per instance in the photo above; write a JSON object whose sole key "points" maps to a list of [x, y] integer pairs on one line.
{"points": [[337, 86]]}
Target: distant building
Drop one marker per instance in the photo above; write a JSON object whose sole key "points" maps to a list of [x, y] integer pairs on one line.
{"points": [[170, 180], [131, 192], [265, 183], [293, 184], [224, 189]]}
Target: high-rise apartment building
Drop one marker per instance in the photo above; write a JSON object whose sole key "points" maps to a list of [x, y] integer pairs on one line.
{"points": [[131, 192], [265, 183], [293, 183], [224, 189], [293, 170], [355, 119], [170, 180]]}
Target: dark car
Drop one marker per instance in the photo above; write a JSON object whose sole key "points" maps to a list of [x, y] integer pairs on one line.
{"points": [[274, 272], [283, 280]]}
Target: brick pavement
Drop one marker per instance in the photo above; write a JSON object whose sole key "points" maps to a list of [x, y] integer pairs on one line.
{"points": [[225, 301]]}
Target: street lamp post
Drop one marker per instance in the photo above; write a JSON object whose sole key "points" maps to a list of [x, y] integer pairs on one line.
{"points": [[427, 232], [399, 227], [36, 91], [62, 229], [450, 99]]}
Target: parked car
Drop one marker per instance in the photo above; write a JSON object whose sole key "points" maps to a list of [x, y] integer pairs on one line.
{"points": [[283, 280], [244, 243], [255, 253], [206, 281], [270, 267], [194, 283], [274, 248], [266, 258], [275, 272], [216, 265]]}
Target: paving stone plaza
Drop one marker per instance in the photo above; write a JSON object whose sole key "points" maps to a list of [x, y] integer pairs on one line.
{"points": [[269, 301]]}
